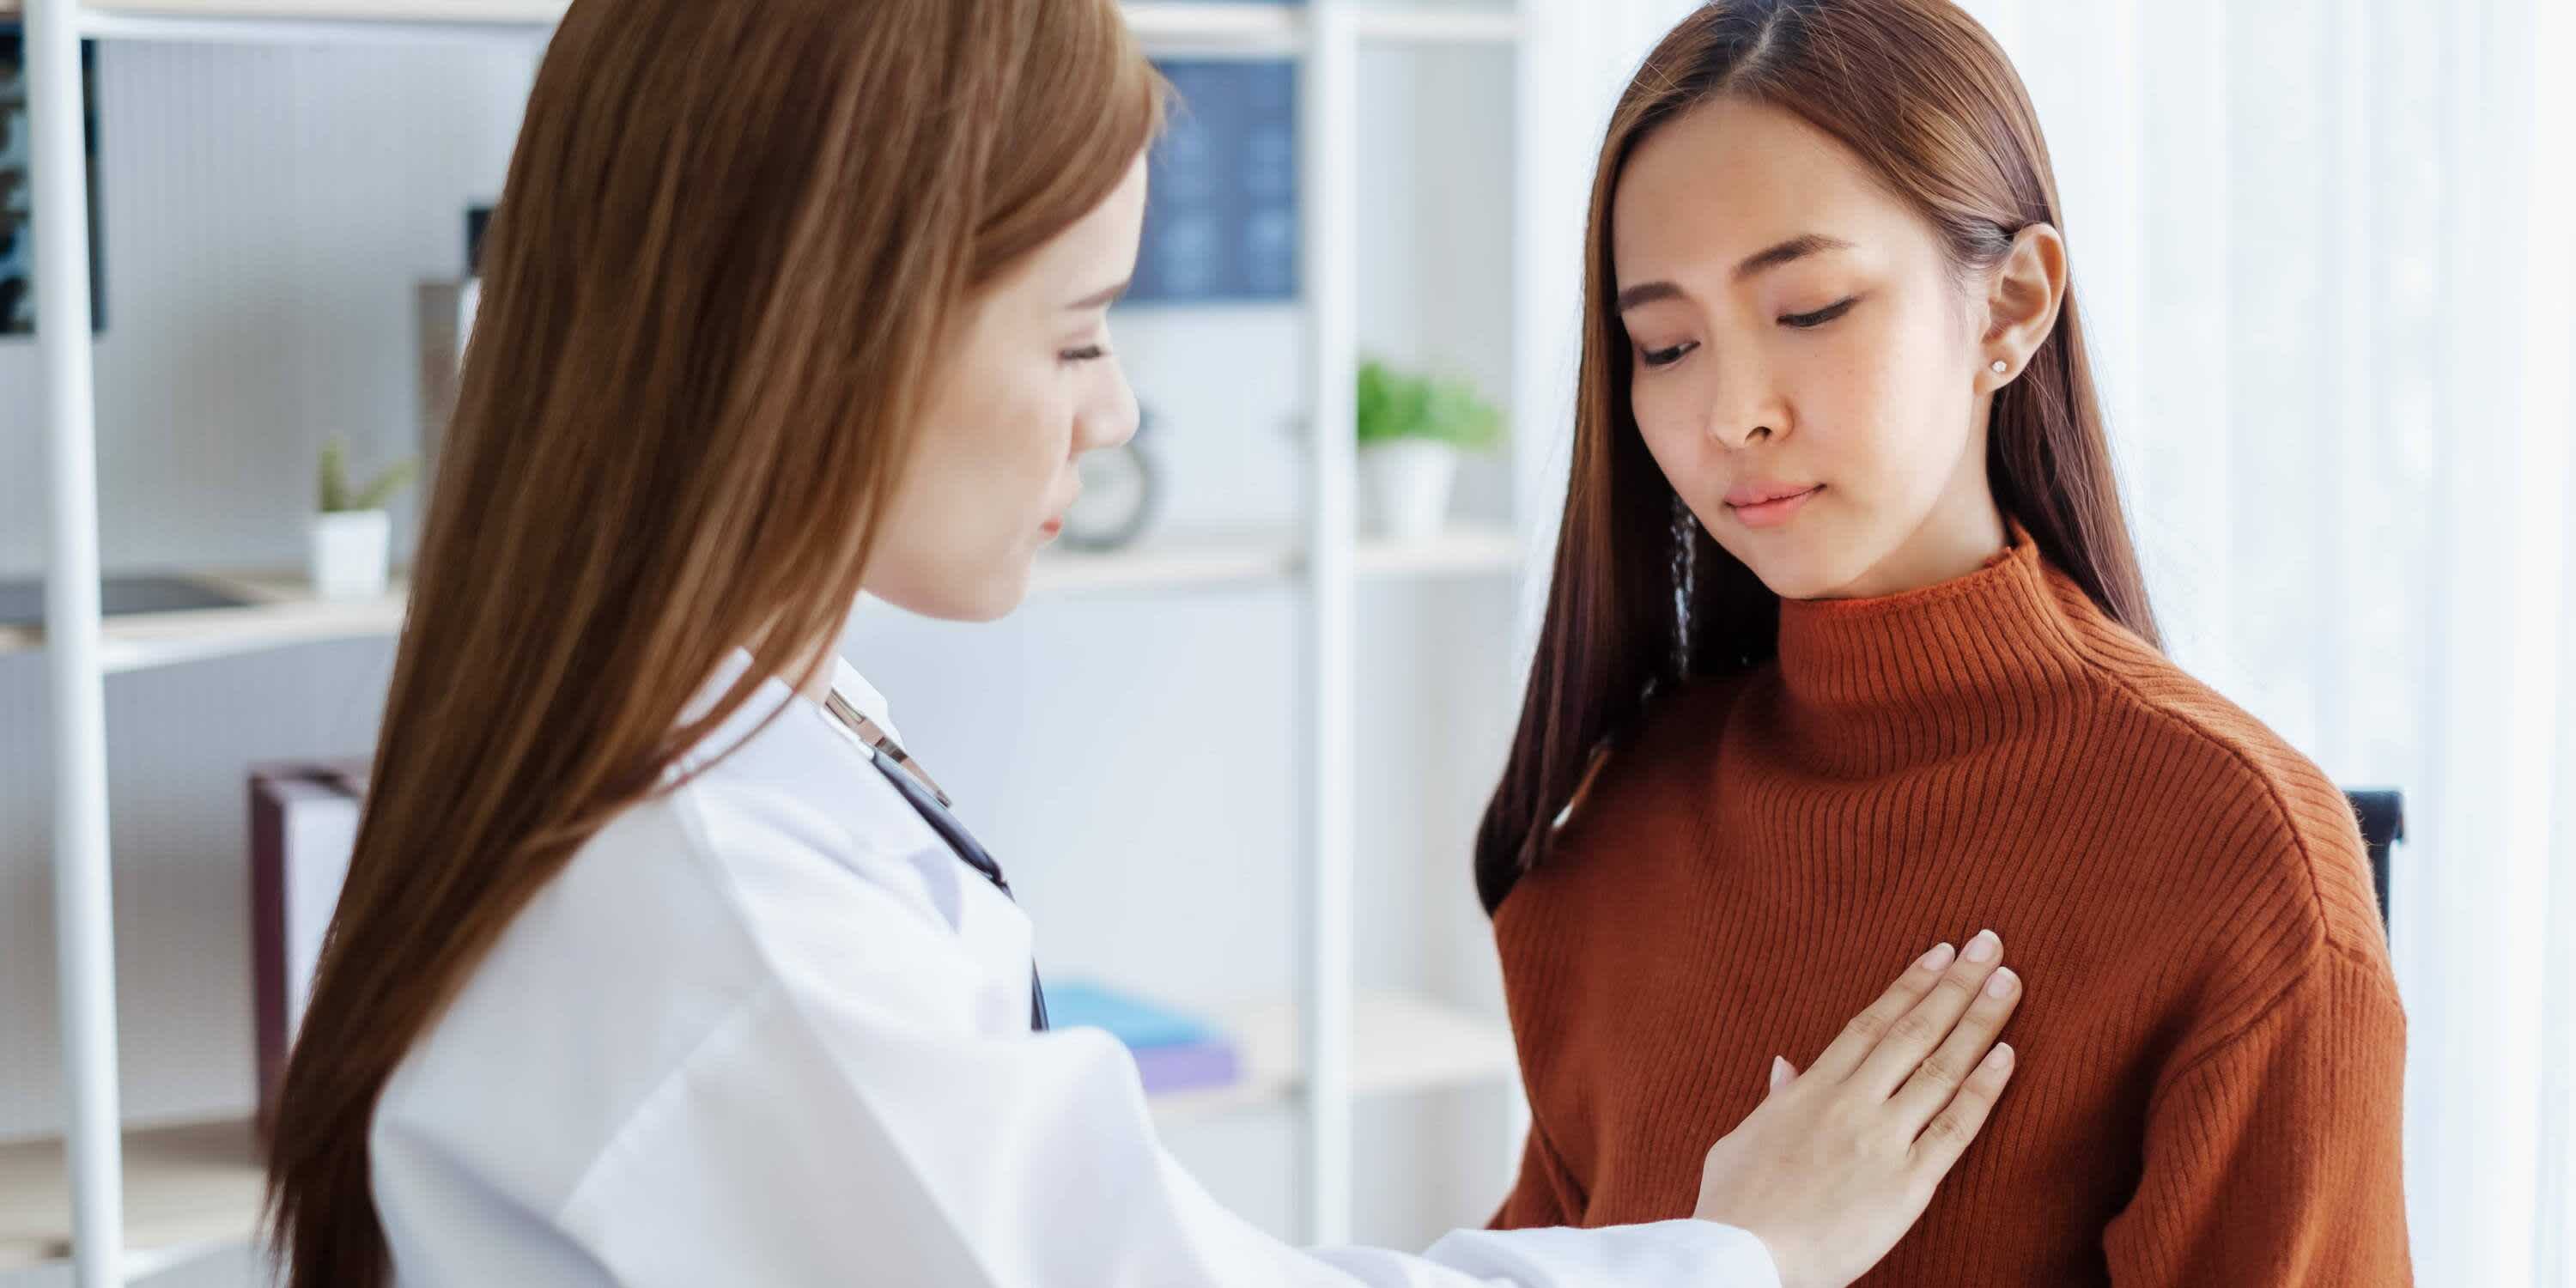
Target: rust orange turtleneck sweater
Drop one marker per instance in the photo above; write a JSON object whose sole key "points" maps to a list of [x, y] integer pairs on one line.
{"points": [[2211, 1043]]}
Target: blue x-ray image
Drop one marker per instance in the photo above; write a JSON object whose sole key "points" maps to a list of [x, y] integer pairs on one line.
{"points": [[1221, 215]]}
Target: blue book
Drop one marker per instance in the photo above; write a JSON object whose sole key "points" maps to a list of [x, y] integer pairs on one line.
{"points": [[1174, 1052], [1132, 1020]]}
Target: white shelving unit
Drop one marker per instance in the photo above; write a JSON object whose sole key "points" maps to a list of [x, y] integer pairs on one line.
{"points": [[119, 1200]]}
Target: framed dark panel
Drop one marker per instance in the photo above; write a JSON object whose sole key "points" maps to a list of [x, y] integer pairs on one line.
{"points": [[1221, 213], [17, 190]]}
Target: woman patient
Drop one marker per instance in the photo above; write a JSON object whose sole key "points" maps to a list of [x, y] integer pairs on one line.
{"points": [[1847, 647]]}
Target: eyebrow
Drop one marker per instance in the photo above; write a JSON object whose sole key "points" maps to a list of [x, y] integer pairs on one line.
{"points": [[1098, 299], [1796, 248]]}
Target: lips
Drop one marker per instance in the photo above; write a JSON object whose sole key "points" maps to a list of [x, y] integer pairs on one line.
{"points": [[1056, 524], [1769, 505], [1746, 495]]}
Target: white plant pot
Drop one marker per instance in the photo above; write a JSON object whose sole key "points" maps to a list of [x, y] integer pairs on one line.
{"points": [[350, 554], [1408, 485]]}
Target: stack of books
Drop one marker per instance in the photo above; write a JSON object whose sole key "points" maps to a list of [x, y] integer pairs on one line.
{"points": [[1174, 1052]]}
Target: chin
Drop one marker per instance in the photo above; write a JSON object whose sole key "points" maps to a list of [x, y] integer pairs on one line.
{"points": [[1798, 584], [1803, 573], [1790, 574], [974, 595], [994, 599]]}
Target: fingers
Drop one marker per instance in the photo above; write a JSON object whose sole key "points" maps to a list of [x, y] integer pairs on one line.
{"points": [[1862, 1035], [1940, 1145], [1782, 1074], [1938, 1078], [1923, 1029]]}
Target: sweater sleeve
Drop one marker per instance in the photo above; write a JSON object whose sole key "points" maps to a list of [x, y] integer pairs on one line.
{"points": [[1546, 1194], [2272, 1158]]}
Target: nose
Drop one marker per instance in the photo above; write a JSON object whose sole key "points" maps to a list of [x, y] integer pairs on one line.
{"points": [[1108, 421], [1745, 408], [1739, 434]]}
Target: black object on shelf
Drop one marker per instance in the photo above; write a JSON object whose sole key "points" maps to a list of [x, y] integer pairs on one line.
{"points": [[22, 603], [477, 219], [17, 189], [2382, 816]]}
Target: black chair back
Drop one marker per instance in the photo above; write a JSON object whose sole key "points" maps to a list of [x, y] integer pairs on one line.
{"points": [[2382, 815]]}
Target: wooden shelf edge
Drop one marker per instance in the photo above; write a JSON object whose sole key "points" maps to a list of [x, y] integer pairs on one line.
{"points": [[1439, 24], [1166, 26], [279, 613], [189, 1188], [282, 614], [1186, 562], [1402, 1042]]}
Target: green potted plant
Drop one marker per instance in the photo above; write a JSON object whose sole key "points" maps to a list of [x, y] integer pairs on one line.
{"points": [[352, 536], [1412, 430]]}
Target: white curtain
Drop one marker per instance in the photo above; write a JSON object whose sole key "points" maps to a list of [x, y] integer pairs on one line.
{"points": [[2324, 252]]}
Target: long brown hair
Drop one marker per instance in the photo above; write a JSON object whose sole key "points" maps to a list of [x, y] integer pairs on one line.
{"points": [[1643, 599], [732, 239]]}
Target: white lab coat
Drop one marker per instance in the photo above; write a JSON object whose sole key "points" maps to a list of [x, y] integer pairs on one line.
{"points": [[766, 1029]]}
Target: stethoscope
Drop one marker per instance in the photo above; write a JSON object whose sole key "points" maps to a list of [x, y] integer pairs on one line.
{"points": [[916, 787]]}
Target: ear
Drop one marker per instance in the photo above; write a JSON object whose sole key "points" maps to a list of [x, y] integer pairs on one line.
{"points": [[2023, 294]]}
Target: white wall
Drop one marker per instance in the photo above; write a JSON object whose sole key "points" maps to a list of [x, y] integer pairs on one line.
{"points": [[261, 238], [2323, 249]]}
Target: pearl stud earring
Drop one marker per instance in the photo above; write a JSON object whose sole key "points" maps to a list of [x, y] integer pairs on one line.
{"points": [[1999, 366]]}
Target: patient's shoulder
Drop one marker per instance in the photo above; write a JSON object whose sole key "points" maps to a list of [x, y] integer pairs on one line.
{"points": [[2237, 797]]}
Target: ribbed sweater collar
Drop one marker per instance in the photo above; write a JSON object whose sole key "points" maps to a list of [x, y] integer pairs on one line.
{"points": [[1875, 685]]}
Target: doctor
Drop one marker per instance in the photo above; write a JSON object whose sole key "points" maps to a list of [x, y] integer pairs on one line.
{"points": [[659, 961]]}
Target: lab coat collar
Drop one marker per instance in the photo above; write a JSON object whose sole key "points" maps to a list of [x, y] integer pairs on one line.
{"points": [[773, 694], [863, 695]]}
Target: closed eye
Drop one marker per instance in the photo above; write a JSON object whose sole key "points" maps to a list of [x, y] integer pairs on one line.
{"points": [[1809, 321], [1665, 357], [1087, 353]]}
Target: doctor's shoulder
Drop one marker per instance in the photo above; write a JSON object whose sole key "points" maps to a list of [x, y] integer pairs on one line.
{"points": [[794, 819], [683, 908]]}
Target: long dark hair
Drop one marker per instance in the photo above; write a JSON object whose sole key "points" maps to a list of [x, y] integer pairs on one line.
{"points": [[733, 240], [1641, 599]]}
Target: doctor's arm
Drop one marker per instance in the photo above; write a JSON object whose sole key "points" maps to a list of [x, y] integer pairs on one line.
{"points": [[1840, 1161], [858, 1129]]}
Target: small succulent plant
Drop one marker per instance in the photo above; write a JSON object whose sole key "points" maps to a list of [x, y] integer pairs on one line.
{"points": [[338, 497], [1394, 404]]}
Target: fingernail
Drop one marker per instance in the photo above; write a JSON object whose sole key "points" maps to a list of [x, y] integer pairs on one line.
{"points": [[1938, 958], [2001, 984], [1984, 947], [2001, 1057]]}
